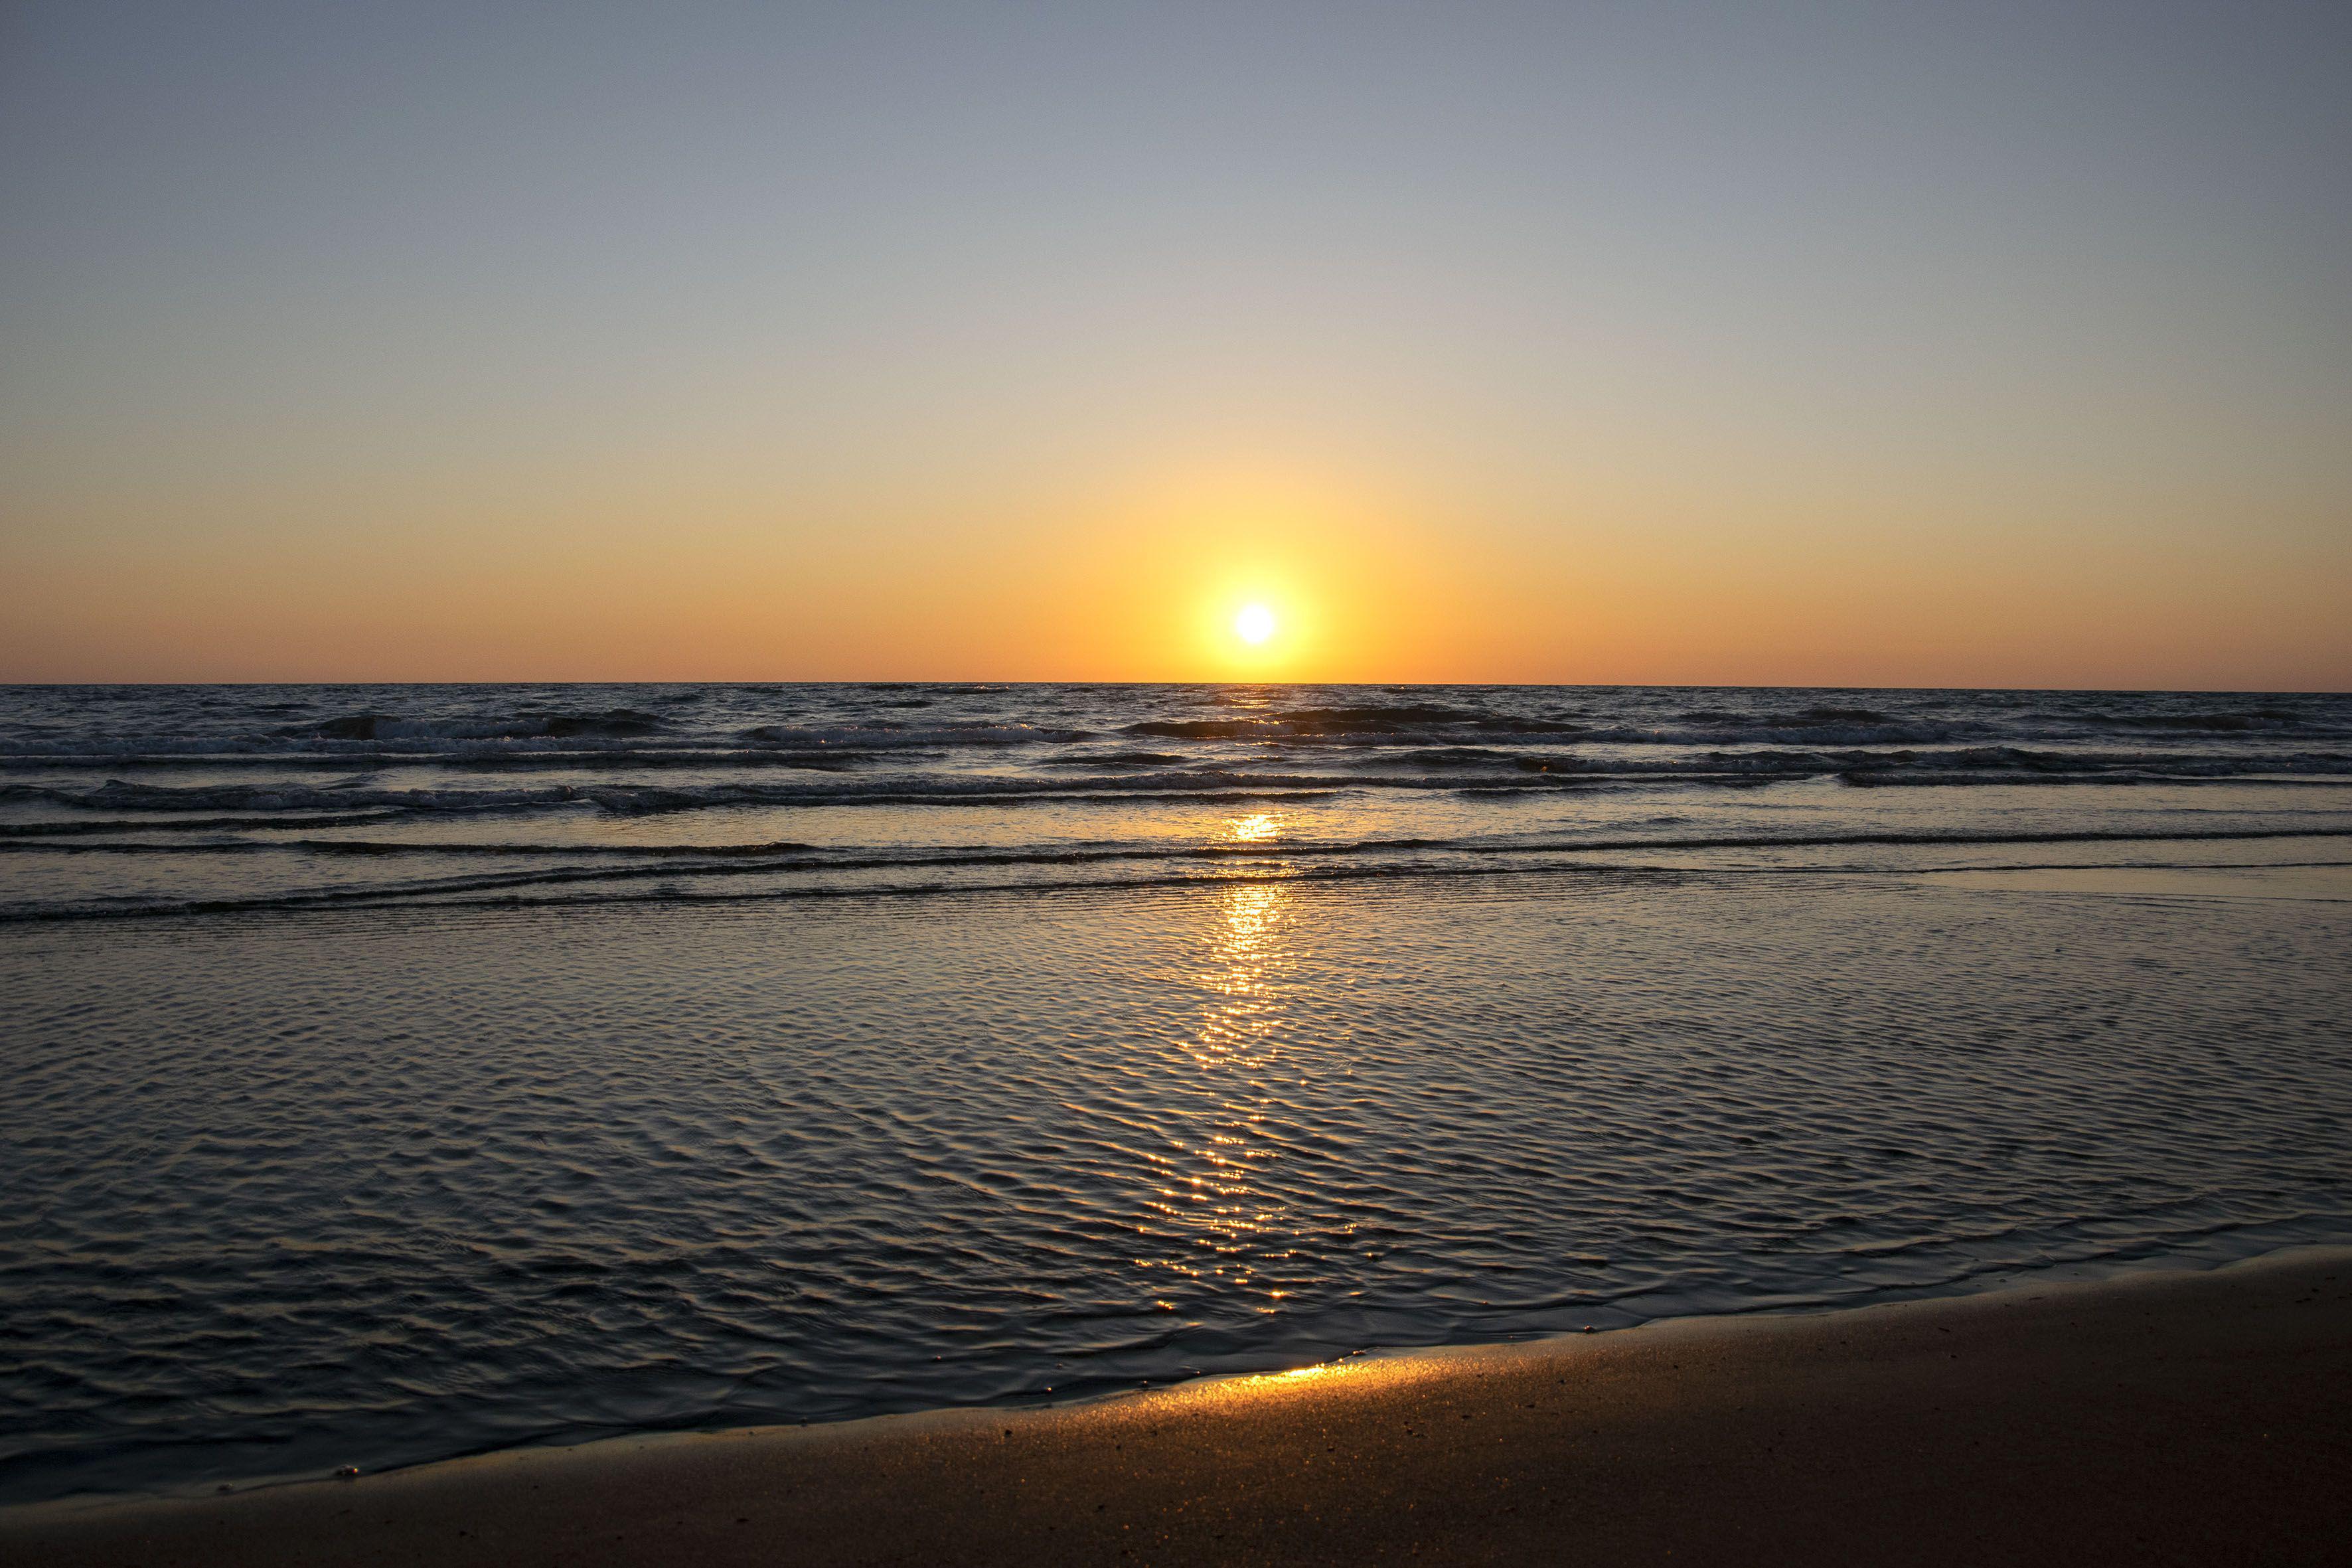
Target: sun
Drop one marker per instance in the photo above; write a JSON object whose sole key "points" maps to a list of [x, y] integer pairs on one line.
{"points": [[1254, 624]]}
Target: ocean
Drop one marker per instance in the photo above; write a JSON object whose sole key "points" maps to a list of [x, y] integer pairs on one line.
{"points": [[395, 1072]]}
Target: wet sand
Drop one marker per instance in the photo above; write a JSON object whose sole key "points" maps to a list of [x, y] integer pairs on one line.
{"points": [[2157, 1417]]}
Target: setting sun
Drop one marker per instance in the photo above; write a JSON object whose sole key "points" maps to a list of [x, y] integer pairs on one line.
{"points": [[1254, 624]]}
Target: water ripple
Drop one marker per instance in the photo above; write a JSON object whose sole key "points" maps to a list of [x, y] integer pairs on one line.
{"points": [[339, 1188]]}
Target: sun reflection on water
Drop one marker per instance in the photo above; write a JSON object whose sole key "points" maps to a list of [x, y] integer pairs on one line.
{"points": [[1244, 956], [1259, 827], [1212, 1202]]}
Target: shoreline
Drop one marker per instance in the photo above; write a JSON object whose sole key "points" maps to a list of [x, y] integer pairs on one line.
{"points": [[2174, 1415], [1607, 1319]]}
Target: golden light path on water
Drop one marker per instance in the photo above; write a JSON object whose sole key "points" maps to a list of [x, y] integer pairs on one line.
{"points": [[1210, 1194], [1260, 827]]}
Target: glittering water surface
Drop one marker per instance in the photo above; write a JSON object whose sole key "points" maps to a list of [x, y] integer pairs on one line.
{"points": [[292, 1183]]}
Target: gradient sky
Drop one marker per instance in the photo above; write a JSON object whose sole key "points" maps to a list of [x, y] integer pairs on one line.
{"points": [[1703, 342]]}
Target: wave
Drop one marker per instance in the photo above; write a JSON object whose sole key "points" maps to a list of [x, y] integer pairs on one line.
{"points": [[2217, 723], [672, 866], [1809, 718], [467, 760], [92, 827], [2309, 716], [846, 727], [116, 794], [1177, 867], [252, 800], [1821, 734], [1314, 724], [1077, 854], [896, 737], [477, 744], [1468, 769], [617, 721], [220, 797], [845, 750], [1114, 760]]}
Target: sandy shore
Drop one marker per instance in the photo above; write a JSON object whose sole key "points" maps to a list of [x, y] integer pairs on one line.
{"points": [[2175, 1417]]}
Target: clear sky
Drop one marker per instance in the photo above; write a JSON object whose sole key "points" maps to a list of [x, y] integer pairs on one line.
{"points": [[1972, 344]]}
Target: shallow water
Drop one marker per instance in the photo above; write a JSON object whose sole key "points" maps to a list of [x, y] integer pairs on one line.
{"points": [[291, 1185]]}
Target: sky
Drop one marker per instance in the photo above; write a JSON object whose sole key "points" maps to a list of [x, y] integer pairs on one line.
{"points": [[1693, 344]]}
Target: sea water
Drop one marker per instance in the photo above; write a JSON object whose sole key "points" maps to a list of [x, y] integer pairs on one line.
{"points": [[395, 1072]]}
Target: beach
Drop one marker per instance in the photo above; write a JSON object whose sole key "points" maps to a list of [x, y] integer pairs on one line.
{"points": [[2154, 1417], [512, 1077]]}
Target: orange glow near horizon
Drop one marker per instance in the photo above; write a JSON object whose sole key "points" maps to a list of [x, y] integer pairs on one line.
{"points": [[1561, 345], [1369, 570]]}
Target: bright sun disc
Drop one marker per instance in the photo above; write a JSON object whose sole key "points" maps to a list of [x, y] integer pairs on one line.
{"points": [[1254, 624]]}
